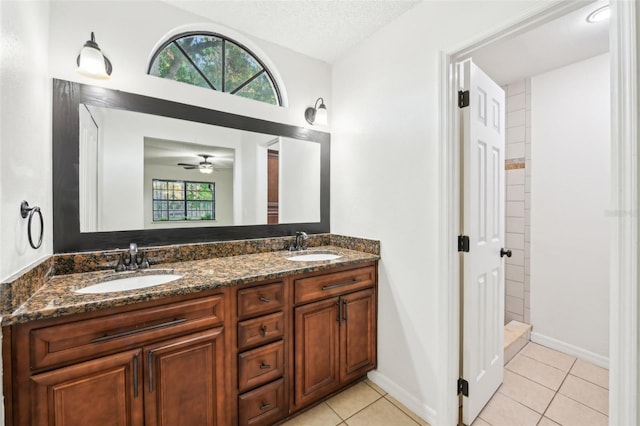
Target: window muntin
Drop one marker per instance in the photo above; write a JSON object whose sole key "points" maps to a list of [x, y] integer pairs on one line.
{"points": [[177, 200], [213, 61]]}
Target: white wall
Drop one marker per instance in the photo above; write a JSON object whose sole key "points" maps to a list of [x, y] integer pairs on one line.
{"points": [[128, 32], [385, 181], [25, 131], [251, 204], [570, 195], [41, 40], [122, 179], [637, 381], [299, 180]]}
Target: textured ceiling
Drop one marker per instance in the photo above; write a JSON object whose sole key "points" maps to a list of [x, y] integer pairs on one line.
{"points": [[322, 29], [555, 44]]}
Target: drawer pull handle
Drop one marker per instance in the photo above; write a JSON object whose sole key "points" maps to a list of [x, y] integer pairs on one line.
{"points": [[138, 330], [329, 287], [264, 406], [135, 376], [264, 366], [344, 310], [264, 299], [263, 331]]}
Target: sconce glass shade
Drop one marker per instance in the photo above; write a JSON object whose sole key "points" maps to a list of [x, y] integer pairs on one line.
{"points": [[91, 62], [317, 115], [321, 115]]}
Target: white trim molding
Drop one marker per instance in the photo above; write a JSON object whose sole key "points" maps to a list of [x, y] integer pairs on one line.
{"points": [[623, 351], [410, 401], [568, 348]]}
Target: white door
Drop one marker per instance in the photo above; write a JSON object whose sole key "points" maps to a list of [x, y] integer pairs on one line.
{"points": [[483, 221]]}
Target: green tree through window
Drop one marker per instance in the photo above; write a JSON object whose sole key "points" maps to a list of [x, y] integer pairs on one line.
{"points": [[216, 62], [183, 200]]}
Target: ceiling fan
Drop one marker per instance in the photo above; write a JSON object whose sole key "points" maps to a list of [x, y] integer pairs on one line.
{"points": [[205, 166]]}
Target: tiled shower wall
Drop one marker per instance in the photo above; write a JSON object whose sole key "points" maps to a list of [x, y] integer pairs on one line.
{"points": [[518, 199]]}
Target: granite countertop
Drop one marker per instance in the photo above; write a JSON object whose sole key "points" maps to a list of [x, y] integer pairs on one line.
{"points": [[57, 296]]}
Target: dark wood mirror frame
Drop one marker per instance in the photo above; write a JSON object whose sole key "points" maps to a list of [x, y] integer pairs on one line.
{"points": [[67, 238]]}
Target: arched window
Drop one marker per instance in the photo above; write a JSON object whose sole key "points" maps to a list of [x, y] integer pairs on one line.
{"points": [[216, 62]]}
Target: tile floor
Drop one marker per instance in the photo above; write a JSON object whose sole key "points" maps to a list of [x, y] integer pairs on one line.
{"points": [[548, 388], [362, 404], [541, 387]]}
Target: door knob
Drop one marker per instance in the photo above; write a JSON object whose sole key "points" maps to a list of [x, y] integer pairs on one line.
{"points": [[504, 253]]}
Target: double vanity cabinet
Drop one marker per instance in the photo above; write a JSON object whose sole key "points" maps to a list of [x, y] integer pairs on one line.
{"points": [[246, 354]]}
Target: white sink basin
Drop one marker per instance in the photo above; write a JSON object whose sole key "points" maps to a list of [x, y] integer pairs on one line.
{"points": [[314, 256], [130, 283]]}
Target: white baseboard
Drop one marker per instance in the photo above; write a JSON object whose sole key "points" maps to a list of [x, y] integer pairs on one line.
{"points": [[567, 348], [418, 407]]}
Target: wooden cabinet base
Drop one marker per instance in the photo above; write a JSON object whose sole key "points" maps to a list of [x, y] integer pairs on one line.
{"points": [[252, 354], [105, 391], [262, 406]]}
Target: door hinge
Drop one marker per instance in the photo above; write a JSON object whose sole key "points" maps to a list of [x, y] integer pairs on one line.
{"points": [[463, 98], [463, 243], [463, 387]]}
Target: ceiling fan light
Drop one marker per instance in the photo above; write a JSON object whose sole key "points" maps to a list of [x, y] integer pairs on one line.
{"points": [[599, 14], [207, 170]]}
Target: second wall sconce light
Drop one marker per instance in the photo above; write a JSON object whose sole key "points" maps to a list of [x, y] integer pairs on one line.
{"points": [[91, 62], [317, 114]]}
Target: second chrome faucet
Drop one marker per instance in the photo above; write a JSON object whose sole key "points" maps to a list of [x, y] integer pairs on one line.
{"points": [[300, 242]]}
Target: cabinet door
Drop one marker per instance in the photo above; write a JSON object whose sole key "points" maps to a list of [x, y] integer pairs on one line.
{"points": [[316, 350], [184, 380], [357, 334], [105, 391]]}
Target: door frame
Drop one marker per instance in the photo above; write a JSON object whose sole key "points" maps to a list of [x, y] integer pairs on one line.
{"points": [[623, 339]]}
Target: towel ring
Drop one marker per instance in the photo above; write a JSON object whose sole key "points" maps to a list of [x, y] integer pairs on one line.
{"points": [[25, 211]]}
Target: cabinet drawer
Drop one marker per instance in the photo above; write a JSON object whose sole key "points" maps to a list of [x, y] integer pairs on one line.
{"points": [[260, 330], [321, 286], [261, 299], [66, 343], [260, 365], [262, 406]]}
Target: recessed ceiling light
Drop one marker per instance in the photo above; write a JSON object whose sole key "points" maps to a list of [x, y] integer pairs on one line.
{"points": [[599, 14]]}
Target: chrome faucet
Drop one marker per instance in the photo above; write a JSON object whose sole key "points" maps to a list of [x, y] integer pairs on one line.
{"points": [[300, 242], [133, 260], [133, 254]]}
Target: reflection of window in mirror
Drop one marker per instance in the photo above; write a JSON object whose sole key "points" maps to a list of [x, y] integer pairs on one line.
{"points": [[179, 200]]}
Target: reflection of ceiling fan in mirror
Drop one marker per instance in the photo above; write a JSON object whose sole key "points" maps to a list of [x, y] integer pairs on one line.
{"points": [[205, 166]]}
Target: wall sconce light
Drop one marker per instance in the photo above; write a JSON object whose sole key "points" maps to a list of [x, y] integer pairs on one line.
{"points": [[91, 62], [318, 114]]}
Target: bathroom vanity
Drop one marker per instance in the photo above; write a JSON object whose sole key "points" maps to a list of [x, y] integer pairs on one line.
{"points": [[241, 334], [248, 340]]}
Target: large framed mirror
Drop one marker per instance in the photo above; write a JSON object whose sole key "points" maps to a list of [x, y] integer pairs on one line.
{"points": [[132, 168]]}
